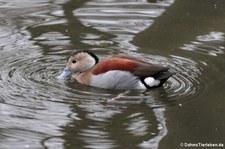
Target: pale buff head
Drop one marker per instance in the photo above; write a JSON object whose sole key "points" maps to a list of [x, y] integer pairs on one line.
{"points": [[81, 61]]}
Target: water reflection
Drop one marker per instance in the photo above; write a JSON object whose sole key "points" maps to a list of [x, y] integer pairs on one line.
{"points": [[123, 19], [116, 125], [210, 44]]}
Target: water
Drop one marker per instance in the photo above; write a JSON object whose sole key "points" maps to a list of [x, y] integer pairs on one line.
{"points": [[39, 111]]}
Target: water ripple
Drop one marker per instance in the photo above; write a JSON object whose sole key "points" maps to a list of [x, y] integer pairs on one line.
{"points": [[185, 82], [209, 44]]}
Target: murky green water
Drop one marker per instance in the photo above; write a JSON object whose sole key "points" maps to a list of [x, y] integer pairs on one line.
{"points": [[39, 111]]}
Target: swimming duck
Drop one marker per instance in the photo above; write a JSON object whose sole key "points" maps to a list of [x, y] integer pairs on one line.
{"points": [[121, 71]]}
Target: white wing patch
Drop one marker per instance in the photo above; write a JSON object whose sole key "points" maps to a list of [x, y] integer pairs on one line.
{"points": [[150, 81]]}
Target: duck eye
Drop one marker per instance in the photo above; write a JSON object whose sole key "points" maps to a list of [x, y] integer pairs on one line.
{"points": [[73, 61]]}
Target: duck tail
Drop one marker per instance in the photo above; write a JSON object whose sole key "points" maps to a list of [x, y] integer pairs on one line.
{"points": [[163, 75]]}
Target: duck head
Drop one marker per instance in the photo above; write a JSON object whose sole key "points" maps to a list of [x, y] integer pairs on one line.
{"points": [[78, 62]]}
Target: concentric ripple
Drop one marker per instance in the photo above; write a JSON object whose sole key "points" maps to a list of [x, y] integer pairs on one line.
{"points": [[33, 76], [185, 81], [26, 74]]}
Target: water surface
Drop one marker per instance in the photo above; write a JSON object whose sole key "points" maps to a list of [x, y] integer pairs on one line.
{"points": [[39, 111]]}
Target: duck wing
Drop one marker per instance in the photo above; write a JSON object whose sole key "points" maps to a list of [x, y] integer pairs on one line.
{"points": [[135, 66]]}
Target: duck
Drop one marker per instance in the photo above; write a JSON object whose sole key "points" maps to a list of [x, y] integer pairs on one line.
{"points": [[119, 72]]}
